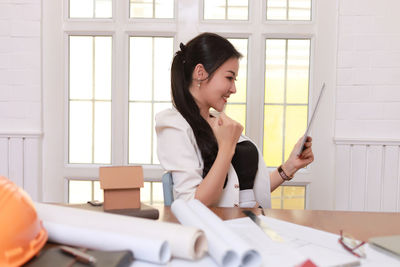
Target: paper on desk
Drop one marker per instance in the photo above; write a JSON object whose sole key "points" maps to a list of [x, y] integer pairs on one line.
{"points": [[321, 247], [185, 242], [225, 247], [301, 243]]}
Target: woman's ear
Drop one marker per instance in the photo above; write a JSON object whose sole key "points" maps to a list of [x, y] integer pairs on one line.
{"points": [[199, 72]]}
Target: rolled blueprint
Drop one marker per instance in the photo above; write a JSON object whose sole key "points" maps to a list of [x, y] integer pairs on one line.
{"points": [[218, 249], [247, 253], [153, 250], [222, 240], [185, 242]]}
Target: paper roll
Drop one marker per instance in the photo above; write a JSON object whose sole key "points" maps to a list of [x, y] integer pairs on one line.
{"points": [[219, 250], [220, 237], [153, 250], [185, 242], [248, 255]]}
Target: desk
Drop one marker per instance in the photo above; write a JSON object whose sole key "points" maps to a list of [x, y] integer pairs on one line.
{"points": [[361, 225]]}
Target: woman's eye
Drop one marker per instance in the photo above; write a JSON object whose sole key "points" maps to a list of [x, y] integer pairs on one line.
{"points": [[230, 78]]}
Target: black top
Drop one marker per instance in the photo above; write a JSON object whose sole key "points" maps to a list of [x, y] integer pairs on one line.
{"points": [[245, 162]]}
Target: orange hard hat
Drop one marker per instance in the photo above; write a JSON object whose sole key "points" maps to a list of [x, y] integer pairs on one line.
{"points": [[21, 232]]}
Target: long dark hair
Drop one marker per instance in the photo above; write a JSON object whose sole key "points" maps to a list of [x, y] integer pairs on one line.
{"points": [[210, 50]]}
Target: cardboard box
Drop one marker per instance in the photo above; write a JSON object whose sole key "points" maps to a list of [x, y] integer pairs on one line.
{"points": [[121, 185]]}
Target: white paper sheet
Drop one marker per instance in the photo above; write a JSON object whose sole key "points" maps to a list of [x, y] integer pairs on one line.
{"points": [[225, 246], [185, 242], [323, 247]]}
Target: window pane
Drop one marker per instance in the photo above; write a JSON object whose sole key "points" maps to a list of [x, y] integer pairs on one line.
{"points": [[164, 9], [226, 9], [103, 67], [273, 127], [288, 197], [241, 81], [298, 71], [300, 10], [80, 132], [140, 130], [150, 83], [90, 8], [79, 191], [102, 130], [157, 108], [238, 113], [98, 192], [293, 203], [145, 193], [81, 67], [214, 9], [276, 9], [141, 8], [275, 70], [294, 191], [141, 68], [163, 52], [296, 123], [152, 9], [297, 10], [276, 203], [286, 84], [81, 8], [158, 196], [103, 9], [238, 9]]}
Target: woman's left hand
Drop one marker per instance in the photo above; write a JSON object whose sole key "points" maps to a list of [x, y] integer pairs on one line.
{"points": [[294, 162]]}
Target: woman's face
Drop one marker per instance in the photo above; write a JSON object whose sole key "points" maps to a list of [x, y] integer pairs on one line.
{"points": [[215, 92]]}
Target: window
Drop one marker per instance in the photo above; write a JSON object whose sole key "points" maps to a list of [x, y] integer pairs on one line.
{"points": [[90, 8], [288, 197], [286, 96], [288, 9], [226, 9], [116, 78], [151, 9], [150, 61], [90, 99]]}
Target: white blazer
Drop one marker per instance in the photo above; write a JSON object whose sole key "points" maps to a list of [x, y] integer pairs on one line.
{"points": [[179, 154]]}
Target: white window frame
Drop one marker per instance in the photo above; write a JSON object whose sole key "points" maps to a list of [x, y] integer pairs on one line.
{"points": [[321, 31]]}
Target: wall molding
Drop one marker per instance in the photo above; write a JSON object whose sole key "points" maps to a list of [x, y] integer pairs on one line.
{"points": [[21, 134], [366, 141]]}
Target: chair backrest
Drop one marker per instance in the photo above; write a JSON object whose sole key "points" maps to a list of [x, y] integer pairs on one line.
{"points": [[168, 184]]}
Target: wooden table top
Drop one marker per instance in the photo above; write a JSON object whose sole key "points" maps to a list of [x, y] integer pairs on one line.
{"points": [[361, 225]]}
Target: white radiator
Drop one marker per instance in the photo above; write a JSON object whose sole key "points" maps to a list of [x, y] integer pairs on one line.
{"points": [[20, 161], [367, 175]]}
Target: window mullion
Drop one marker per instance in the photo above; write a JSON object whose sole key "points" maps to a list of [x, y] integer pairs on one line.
{"points": [[255, 74], [119, 104]]}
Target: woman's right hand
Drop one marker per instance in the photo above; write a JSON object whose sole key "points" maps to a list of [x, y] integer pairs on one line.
{"points": [[226, 131]]}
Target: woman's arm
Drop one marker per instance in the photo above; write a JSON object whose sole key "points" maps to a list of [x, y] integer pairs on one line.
{"points": [[294, 163], [227, 133]]}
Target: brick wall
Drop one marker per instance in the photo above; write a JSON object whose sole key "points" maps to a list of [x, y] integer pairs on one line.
{"points": [[368, 69], [20, 65]]}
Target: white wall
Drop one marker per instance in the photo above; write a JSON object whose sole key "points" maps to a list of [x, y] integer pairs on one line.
{"points": [[368, 69], [20, 93], [367, 130], [20, 66]]}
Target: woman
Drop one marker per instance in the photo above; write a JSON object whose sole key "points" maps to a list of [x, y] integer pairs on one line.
{"points": [[208, 156]]}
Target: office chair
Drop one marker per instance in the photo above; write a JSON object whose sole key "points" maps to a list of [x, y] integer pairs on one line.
{"points": [[168, 184]]}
